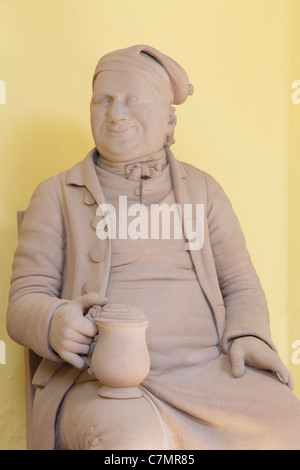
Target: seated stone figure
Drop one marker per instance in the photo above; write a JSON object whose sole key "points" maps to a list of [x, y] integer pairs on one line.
{"points": [[216, 380]]}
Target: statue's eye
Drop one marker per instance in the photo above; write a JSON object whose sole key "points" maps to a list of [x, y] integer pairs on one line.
{"points": [[105, 101], [131, 99], [102, 100]]}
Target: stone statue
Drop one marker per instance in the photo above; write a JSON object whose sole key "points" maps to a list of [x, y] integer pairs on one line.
{"points": [[103, 241]]}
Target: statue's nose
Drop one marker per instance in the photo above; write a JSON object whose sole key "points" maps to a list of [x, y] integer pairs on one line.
{"points": [[117, 111]]}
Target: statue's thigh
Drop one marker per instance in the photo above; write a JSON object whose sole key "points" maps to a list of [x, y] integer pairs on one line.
{"points": [[88, 421]]}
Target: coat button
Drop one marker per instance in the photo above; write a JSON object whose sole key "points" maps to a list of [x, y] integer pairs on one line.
{"points": [[95, 442], [91, 285], [97, 254], [137, 191], [88, 199]]}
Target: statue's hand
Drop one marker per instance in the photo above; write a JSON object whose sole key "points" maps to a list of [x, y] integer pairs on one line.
{"points": [[253, 352], [71, 334]]}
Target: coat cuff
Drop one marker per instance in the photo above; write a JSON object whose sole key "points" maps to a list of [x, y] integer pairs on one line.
{"points": [[243, 328], [28, 322]]}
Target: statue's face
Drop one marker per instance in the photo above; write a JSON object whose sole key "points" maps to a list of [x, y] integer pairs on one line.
{"points": [[129, 116]]}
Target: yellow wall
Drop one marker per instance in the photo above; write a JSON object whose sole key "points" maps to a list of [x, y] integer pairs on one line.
{"points": [[294, 199], [240, 125]]}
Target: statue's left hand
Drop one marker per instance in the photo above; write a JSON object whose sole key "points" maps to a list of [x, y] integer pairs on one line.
{"points": [[253, 352]]}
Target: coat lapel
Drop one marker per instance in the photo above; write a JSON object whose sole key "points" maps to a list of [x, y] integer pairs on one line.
{"points": [[84, 174], [179, 174], [188, 191]]}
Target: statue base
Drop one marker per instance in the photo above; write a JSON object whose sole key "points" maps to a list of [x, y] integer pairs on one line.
{"points": [[119, 393]]}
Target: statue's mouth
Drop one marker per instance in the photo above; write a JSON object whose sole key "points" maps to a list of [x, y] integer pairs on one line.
{"points": [[116, 131]]}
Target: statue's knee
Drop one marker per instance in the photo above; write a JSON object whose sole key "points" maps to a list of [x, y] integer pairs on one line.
{"points": [[90, 422], [126, 425]]}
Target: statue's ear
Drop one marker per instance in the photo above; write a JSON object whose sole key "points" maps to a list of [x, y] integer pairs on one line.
{"points": [[172, 118], [171, 127]]}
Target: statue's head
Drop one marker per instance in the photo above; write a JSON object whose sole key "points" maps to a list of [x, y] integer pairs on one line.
{"points": [[132, 113]]}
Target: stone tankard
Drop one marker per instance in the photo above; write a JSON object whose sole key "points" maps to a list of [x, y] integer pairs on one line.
{"points": [[120, 359]]}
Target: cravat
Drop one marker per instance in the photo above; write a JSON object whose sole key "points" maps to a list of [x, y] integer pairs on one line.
{"points": [[136, 171]]}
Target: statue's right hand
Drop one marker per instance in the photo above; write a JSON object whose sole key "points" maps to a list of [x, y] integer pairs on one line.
{"points": [[71, 334]]}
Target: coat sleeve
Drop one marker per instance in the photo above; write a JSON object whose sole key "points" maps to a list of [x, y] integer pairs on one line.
{"points": [[37, 272], [244, 299]]}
